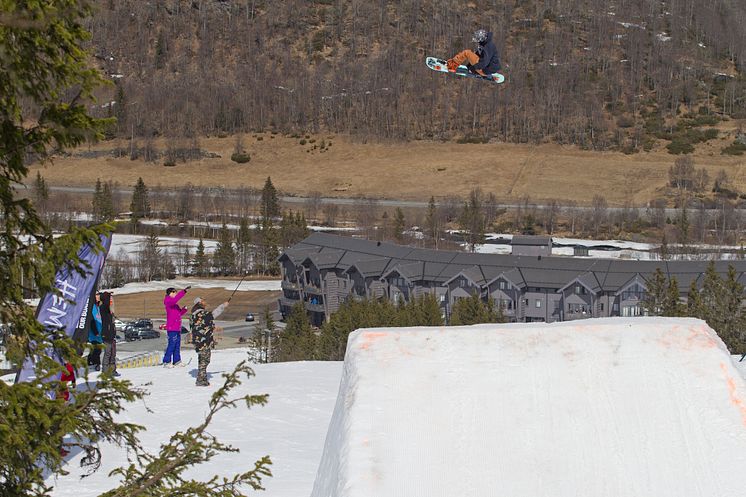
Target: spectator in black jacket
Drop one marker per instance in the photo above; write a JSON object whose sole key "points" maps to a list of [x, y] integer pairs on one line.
{"points": [[108, 333]]}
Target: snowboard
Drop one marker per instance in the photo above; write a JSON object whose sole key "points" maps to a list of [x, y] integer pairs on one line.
{"points": [[440, 65]]}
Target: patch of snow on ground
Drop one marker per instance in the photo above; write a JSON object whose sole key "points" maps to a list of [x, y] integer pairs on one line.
{"points": [[131, 244]]}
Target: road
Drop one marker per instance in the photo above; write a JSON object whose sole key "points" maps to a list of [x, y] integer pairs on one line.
{"points": [[353, 201], [232, 331]]}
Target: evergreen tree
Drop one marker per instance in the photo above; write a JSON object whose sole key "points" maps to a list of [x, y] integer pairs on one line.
{"points": [[267, 250], [103, 202], [472, 220], [140, 205], [96, 207], [433, 223], [350, 316], [733, 332], [399, 225], [244, 246], [421, 311], [270, 204], [201, 261], [42, 56], [293, 228], [656, 293], [720, 305], [473, 310], [672, 306], [694, 301], [224, 258], [297, 341], [108, 204], [41, 193]]}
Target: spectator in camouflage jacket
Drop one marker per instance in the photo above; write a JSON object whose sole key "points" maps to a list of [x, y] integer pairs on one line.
{"points": [[202, 324]]}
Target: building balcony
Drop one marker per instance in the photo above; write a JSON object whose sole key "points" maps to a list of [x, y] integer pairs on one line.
{"points": [[314, 307], [289, 285], [313, 290], [284, 301]]}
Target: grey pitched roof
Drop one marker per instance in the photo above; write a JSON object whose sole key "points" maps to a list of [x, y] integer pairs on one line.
{"points": [[413, 271], [326, 259], [531, 240], [371, 267], [340, 252], [297, 253], [473, 274]]}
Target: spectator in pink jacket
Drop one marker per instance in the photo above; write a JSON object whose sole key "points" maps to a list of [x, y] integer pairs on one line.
{"points": [[174, 311]]}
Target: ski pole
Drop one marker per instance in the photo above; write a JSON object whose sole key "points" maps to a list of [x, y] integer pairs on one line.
{"points": [[239, 284]]}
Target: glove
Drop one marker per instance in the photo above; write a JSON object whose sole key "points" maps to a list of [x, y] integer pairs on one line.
{"points": [[472, 70], [451, 64], [187, 287]]}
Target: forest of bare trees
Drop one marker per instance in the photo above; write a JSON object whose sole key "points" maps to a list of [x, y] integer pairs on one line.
{"points": [[593, 73]]}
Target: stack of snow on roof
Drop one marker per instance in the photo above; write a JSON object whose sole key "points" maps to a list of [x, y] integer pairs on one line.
{"points": [[622, 407]]}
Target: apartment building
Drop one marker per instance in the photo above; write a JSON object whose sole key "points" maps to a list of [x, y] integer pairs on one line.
{"points": [[324, 270]]}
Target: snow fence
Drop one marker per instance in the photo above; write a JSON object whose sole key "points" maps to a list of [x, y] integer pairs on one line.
{"points": [[615, 407]]}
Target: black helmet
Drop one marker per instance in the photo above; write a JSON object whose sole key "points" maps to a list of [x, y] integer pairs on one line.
{"points": [[479, 36]]}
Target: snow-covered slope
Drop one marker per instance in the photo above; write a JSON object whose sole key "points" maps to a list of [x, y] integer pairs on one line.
{"points": [[290, 428], [600, 408]]}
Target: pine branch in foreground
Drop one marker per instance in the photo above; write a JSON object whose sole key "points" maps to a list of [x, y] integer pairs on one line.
{"points": [[163, 474]]}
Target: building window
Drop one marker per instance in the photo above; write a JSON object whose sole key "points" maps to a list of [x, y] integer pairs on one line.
{"points": [[538, 303], [503, 285], [462, 283], [631, 311], [602, 306], [443, 298]]}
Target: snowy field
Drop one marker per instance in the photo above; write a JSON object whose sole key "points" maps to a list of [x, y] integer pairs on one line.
{"points": [[499, 243], [603, 408], [132, 244]]}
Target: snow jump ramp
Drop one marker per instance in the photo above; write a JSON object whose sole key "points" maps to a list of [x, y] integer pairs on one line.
{"points": [[643, 407]]}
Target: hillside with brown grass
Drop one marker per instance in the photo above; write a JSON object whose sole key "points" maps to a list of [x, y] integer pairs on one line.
{"points": [[415, 171]]}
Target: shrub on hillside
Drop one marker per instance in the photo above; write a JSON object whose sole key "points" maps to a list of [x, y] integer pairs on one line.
{"points": [[240, 157], [736, 148], [680, 145], [473, 139]]}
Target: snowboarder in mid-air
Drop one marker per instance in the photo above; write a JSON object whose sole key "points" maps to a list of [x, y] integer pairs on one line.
{"points": [[483, 61]]}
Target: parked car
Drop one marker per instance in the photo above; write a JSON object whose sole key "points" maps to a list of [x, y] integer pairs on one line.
{"points": [[250, 316], [149, 334], [132, 333], [142, 323]]}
